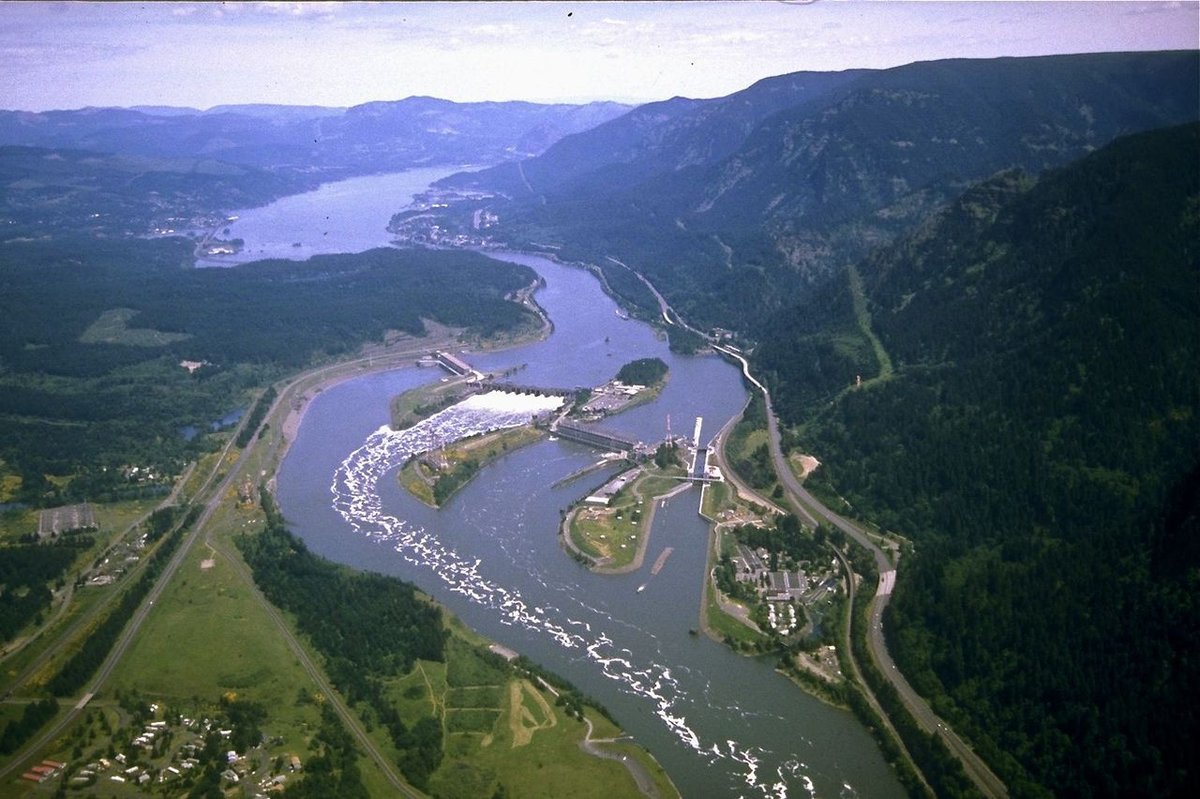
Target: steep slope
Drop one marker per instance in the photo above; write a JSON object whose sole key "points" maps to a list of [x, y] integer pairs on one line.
{"points": [[814, 186], [653, 139], [1038, 444]]}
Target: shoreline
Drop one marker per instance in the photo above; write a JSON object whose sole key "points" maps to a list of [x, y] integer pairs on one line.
{"points": [[302, 389], [639, 557]]}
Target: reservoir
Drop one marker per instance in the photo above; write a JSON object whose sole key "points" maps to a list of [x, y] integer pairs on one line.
{"points": [[721, 724]]}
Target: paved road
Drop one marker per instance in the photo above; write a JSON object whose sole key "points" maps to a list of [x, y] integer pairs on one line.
{"points": [[131, 628], [983, 777], [645, 783], [215, 496], [809, 508], [69, 633], [744, 490]]}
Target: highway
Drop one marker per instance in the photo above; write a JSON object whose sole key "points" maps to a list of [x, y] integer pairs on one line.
{"points": [[809, 509], [131, 628], [979, 773]]}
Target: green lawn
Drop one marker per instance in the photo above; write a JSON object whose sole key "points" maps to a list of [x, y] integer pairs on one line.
{"points": [[611, 535]]}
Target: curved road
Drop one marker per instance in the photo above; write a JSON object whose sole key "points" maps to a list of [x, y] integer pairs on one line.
{"points": [[809, 508], [134, 625], [978, 771]]}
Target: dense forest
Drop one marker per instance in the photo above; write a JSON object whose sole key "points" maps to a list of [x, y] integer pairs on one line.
{"points": [[74, 403], [26, 574], [1037, 441], [643, 372]]}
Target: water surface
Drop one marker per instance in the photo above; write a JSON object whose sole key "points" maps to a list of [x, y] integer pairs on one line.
{"points": [[721, 724]]}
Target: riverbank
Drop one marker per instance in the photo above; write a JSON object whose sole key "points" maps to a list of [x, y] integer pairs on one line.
{"points": [[402, 350], [490, 547], [434, 477]]}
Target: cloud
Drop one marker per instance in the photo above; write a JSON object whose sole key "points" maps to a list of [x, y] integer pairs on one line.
{"points": [[729, 37], [313, 10], [493, 30]]}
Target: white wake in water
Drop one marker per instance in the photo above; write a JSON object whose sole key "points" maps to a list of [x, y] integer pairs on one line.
{"points": [[356, 498]]}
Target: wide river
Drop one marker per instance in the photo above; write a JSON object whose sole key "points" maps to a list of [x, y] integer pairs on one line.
{"points": [[721, 724]]}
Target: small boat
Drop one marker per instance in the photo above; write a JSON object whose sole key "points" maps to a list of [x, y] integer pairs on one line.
{"points": [[641, 588]]}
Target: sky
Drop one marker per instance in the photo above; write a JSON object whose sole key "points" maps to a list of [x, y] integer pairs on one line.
{"points": [[72, 55]]}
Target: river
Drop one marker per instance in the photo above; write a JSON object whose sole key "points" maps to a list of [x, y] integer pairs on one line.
{"points": [[721, 724]]}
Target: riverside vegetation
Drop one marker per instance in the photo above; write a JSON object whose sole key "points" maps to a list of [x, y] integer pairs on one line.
{"points": [[1033, 437]]}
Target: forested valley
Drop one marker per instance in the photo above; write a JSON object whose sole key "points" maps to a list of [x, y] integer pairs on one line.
{"points": [[971, 286]]}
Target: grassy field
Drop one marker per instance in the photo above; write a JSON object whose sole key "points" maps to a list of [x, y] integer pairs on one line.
{"points": [[115, 522], [613, 535], [112, 327], [504, 730]]}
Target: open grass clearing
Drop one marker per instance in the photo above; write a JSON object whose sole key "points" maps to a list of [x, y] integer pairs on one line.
{"points": [[615, 535], [112, 327]]}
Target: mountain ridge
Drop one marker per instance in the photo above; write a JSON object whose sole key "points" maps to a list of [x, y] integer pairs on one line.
{"points": [[813, 187]]}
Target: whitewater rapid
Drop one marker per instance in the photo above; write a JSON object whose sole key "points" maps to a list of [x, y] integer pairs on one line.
{"points": [[357, 499]]}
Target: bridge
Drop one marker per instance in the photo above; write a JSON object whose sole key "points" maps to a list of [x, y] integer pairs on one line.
{"points": [[541, 391], [595, 437]]}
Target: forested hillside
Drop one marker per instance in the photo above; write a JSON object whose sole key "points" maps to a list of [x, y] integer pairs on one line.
{"points": [[44, 191], [653, 139], [829, 170], [1038, 443], [97, 319]]}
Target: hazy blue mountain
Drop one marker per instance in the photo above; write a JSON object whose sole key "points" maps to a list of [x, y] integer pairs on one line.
{"points": [[655, 138], [273, 111], [50, 192], [331, 142], [165, 110], [428, 130]]}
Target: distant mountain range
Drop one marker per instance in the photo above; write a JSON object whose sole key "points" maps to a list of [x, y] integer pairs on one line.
{"points": [[1004, 250], [328, 142]]}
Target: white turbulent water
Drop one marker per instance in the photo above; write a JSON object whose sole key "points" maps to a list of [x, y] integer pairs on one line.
{"points": [[357, 499]]}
